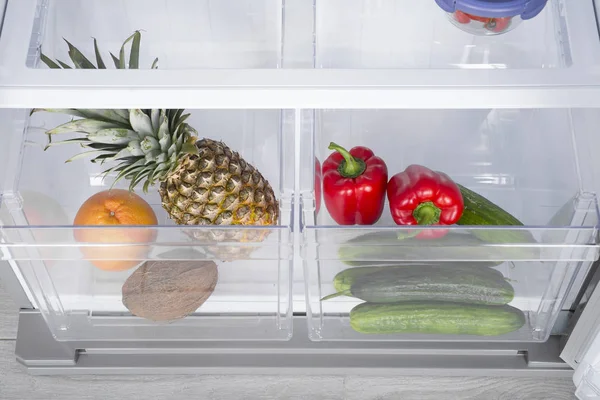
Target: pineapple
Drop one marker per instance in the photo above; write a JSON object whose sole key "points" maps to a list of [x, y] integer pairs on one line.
{"points": [[201, 182]]}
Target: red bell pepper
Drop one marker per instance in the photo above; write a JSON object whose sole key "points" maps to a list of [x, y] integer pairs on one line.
{"points": [[420, 196], [354, 184]]}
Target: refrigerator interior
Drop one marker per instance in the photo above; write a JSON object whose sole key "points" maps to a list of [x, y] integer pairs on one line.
{"points": [[536, 163]]}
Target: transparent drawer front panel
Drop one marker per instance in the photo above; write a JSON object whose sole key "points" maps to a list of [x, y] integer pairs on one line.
{"points": [[161, 280], [182, 34], [408, 34], [395, 285]]}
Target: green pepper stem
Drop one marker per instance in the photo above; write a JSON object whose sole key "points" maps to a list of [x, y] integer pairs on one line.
{"points": [[427, 213], [351, 167]]}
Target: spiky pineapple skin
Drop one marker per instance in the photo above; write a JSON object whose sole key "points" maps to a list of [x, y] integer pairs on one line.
{"points": [[218, 187]]}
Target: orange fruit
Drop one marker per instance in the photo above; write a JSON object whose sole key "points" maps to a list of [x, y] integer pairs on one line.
{"points": [[112, 208]]}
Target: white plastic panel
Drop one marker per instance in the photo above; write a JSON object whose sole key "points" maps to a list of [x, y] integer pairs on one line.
{"points": [[582, 350], [2, 9]]}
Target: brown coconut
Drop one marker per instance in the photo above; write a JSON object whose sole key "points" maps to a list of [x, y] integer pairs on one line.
{"points": [[169, 290]]}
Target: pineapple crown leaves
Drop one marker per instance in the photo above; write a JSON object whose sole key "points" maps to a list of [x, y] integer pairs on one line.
{"points": [[145, 144], [80, 61], [147, 147]]}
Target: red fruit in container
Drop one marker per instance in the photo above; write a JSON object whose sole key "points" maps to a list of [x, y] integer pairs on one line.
{"points": [[461, 17], [498, 24], [478, 18], [489, 17]]}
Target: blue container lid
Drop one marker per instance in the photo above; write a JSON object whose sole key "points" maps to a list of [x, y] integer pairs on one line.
{"points": [[527, 9]]}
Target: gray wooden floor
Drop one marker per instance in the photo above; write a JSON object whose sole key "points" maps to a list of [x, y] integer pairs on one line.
{"points": [[15, 383]]}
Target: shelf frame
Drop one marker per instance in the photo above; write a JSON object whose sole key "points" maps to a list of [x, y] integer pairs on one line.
{"points": [[37, 350]]}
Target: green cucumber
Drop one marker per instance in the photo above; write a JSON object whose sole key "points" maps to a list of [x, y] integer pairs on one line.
{"points": [[344, 279], [431, 282], [479, 211], [442, 318], [391, 237], [385, 248]]}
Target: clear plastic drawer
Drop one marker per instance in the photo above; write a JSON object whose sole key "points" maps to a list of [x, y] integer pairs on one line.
{"points": [[182, 34], [535, 164], [405, 34], [294, 54], [145, 280]]}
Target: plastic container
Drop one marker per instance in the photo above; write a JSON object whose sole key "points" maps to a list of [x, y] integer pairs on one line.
{"points": [[366, 35], [484, 25], [489, 17], [40, 195], [182, 34], [547, 187]]}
